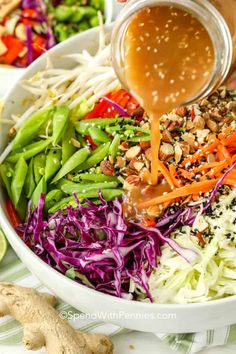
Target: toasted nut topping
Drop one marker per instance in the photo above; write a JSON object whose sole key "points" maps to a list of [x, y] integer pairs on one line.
{"points": [[148, 154], [107, 168], [199, 122], [173, 125], [189, 138], [134, 151], [120, 161], [185, 147], [181, 111], [134, 180], [166, 136], [178, 153], [124, 146], [166, 151], [145, 176], [231, 106], [212, 125], [145, 144], [138, 165]]}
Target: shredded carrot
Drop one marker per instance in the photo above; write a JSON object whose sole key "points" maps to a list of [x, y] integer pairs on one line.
{"points": [[193, 188], [225, 132], [222, 153], [230, 140], [201, 239], [166, 173], [206, 166], [174, 175], [230, 181], [214, 172], [207, 149], [186, 174]]}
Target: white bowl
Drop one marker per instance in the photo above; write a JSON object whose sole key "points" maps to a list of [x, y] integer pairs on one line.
{"points": [[129, 314]]}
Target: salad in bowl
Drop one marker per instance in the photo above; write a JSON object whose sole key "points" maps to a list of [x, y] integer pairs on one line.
{"points": [[76, 174]]}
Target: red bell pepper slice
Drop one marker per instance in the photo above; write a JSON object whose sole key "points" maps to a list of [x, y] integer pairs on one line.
{"points": [[39, 45], [31, 13], [14, 46], [12, 214]]}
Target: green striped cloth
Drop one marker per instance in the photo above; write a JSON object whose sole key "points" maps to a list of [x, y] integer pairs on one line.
{"points": [[13, 270]]}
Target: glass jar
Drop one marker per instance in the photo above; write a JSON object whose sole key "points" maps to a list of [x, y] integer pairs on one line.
{"points": [[217, 16]]}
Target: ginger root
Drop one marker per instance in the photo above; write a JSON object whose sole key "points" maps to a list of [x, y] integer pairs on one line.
{"points": [[43, 326]]}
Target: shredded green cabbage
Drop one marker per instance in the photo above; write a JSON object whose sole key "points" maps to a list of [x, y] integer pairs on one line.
{"points": [[213, 275]]}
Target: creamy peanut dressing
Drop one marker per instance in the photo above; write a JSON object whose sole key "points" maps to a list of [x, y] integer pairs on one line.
{"points": [[169, 58]]}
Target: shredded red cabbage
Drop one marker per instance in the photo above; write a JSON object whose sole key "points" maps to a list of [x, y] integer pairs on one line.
{"points": [[50, 39], [30, 4], [117, 107], [29, 44], [96, 242]]}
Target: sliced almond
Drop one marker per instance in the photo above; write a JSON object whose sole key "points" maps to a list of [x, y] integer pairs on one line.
{"points": [[145, 144], [133, 152], [166, 136], [212, 125], [166, 151], [199, 122], [189, 138], [124, 146], [178, 153], [120, 161], [138, 165], [107, 168], [133, 180]]}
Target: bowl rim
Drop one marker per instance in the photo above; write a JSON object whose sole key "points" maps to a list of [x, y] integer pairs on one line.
{"points": [[8, 229]]}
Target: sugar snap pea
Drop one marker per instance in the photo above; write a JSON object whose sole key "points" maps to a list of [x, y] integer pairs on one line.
{"points": [[98, 155], [6, 179], [53, 163], [41, 188], [60, 122], [137, 139], [18, 180], [29, 151], [83, 125], [98, 135], [22, 207], [94, 21], [30, 184], [30, 129], [93, 177], [39, 167], [108, 194], [52, 198], [113, 149], [63, 13], [67, 148], [75, 160], [84, 188]]}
